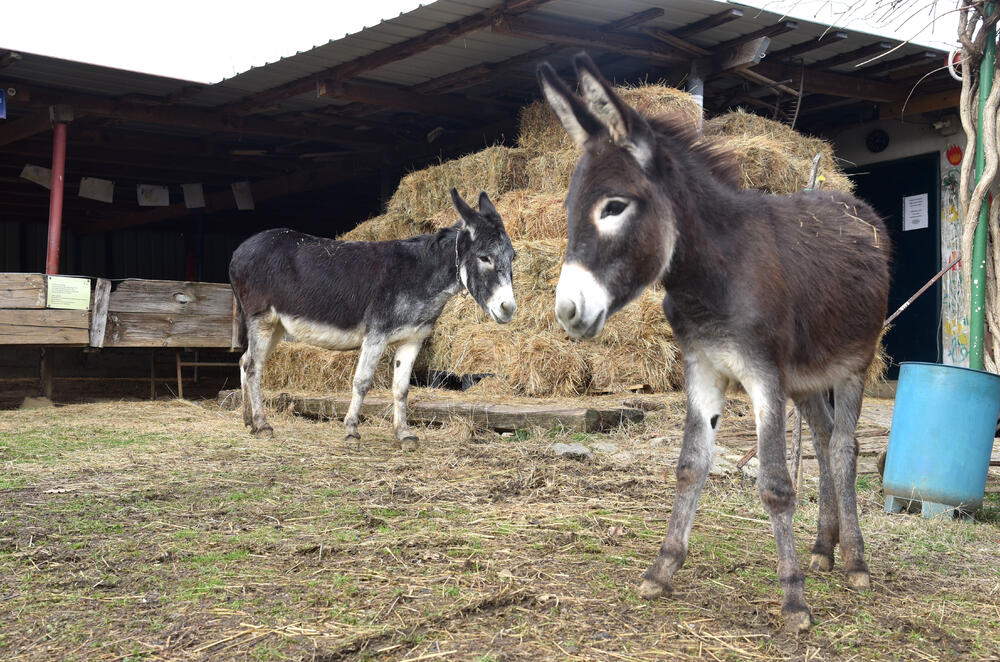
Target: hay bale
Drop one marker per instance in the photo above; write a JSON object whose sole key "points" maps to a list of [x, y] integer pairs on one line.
{"points": [[533, 356], [773, 156], [298, 367], [552, 171], [388, 226], [541, 132], [424, 193]]}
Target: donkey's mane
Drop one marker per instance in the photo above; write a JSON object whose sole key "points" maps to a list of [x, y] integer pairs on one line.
{"points": [[680, 129]]}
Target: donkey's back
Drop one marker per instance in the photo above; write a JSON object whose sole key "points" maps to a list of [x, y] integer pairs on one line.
{"points": [[810, 270]]}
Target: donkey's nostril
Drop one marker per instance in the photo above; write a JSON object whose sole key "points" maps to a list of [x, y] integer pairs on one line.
{"points": [[508, 307], [566, 310]]}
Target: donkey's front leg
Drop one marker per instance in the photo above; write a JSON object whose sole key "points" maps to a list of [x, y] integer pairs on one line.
{"points": [[406, 354], [777, 492], [371, 351], [705, 390]]}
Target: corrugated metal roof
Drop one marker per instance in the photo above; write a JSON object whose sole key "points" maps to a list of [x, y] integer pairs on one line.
{"points": [[472, 48]]}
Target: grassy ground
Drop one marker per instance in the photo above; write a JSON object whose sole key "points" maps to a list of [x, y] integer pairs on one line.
{"points": [[138, 530]]}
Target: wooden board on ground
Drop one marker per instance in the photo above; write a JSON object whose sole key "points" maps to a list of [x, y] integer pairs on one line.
{"points": [[19, 290], [500, 417], [44, 327]]}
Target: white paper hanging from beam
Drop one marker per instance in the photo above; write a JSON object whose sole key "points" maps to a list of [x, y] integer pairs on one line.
{"points": [[97, 189], [38, 174], [243, 195], [153, 195], [194, 196]]}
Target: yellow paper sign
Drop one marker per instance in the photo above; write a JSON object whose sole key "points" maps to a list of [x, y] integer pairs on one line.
{"points": [[69, 293]]}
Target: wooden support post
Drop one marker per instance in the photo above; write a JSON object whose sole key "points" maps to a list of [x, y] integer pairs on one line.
{"points": [[180, 384], [48, 372], [152, 374]]}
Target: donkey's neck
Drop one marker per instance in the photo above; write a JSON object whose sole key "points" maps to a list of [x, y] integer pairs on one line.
{"points": [[710, 222], [442, 262]]}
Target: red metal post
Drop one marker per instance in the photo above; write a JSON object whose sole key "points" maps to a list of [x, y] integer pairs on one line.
{"points": [[56, 197]]}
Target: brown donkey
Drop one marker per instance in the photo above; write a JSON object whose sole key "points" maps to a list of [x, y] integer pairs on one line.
{"points": [[784, 294]]}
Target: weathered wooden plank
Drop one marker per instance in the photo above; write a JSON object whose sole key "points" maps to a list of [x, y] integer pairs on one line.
{"points": [[165, 330], [495, 416], [236, 340], [171, 296], [44, 327], [99, 311], [22, 290]]}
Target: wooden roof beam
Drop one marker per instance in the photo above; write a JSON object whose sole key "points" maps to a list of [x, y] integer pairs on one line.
{"points": [[851, 56], [211, 121], [359, 65], [834, 84], [923, 103], [25, 127], [708, 23], [394, 97], [566, 33], [484, 71], [768, 31], [827, 38]]}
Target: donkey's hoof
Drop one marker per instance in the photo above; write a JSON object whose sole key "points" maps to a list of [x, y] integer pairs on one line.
{"points": [[651, 590], [859, 580], [821, 563], [409, 443], [796, 619], [265, 432]]}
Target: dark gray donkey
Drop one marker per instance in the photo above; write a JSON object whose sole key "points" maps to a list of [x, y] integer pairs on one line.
{"points": [[784, 294], [349, 294]]}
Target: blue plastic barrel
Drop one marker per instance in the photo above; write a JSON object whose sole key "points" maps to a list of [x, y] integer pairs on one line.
{"points": [[941, 439]]}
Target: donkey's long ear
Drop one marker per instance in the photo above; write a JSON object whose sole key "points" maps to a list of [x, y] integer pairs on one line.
{"points": [[486, 205], [602, 101], [573, 115], [465, 212]]}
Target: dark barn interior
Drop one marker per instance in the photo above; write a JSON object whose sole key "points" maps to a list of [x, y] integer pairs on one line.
{"points": [[324, 135]]}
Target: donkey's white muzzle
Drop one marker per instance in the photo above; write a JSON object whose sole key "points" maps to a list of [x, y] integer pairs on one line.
{"points": [[501, 304], [581, 302]]}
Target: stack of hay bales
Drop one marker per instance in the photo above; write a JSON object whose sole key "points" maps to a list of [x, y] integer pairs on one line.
{"points": [[532, 355]]}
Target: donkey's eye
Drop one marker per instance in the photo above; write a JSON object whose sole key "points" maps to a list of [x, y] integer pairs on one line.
{"points": [[613, 208], [486, 260]]}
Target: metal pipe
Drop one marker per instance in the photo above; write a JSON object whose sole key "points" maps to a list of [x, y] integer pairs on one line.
{"points": [[56, 197], [977, 306]]}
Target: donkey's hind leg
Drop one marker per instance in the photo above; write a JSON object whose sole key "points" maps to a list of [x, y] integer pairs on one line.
{"points": [[705, 389], [816, 411], [371, 351], [406, 354], [777, 492], [847, 398], [263, 333]]}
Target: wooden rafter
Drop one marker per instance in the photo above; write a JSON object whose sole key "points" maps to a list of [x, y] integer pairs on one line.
{"points": [[484, 71], [884, 66], [851, 56], [708, 23], [207, 120], [382, 57], [569, 33], [827, 38], [25, 127], [395, 97], [834, 84], [767, 31]]}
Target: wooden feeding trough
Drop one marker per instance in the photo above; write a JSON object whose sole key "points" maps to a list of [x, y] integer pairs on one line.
{"points": [[97, 313]]}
